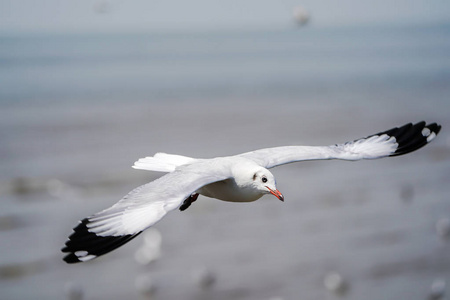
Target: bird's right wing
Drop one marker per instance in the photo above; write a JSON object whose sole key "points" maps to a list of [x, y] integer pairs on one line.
{"points": [[396, 141], [140, 209]]}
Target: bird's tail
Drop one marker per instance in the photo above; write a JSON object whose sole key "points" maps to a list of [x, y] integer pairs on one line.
{"points": [[162, 162]]}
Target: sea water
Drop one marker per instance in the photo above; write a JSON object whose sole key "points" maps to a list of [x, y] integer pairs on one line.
{"points": [[77, 110]]}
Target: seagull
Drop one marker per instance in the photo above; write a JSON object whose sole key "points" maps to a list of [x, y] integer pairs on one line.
{"points": [[240, 178]]}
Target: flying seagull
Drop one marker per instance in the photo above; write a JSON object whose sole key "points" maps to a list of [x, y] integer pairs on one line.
{"points": [[239, 178]]}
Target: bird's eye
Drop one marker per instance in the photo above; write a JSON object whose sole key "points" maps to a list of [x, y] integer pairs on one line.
{"points": [[264, 179]]}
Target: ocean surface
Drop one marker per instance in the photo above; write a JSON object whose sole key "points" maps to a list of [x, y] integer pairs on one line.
{"points": [[213, 64], [77, 110]]}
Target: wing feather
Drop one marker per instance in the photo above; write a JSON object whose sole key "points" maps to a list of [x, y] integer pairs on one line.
{"points": [[140, 209], [393, 142]]}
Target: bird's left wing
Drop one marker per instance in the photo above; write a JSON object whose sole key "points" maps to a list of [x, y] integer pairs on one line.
{"points": [[140, 209], [393, 142]]}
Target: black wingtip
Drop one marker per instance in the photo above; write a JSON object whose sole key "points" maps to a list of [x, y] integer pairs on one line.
{"points": [[411, 137], [84, 245], [71, 258]]}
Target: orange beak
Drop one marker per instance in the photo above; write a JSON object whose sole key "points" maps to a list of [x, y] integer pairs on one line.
{"points": [[276, 193]]}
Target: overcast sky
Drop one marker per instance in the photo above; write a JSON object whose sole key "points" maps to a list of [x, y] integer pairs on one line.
{"points": [[161, 15]]}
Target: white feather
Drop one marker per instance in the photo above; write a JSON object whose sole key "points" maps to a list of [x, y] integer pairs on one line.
{"points": [[376, 146], [162, 162], [147, 204]]}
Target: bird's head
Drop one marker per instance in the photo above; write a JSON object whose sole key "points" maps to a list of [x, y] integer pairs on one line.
{"points": [[264, 181]]}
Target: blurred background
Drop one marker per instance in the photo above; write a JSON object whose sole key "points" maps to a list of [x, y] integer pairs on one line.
{"points": [[88, 87]]}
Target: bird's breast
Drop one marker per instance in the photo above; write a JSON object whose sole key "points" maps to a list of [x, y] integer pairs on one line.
{"points": [[228, 190]]}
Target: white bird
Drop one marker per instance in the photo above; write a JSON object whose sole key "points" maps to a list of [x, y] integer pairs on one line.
{"points": [[239, 178]]}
